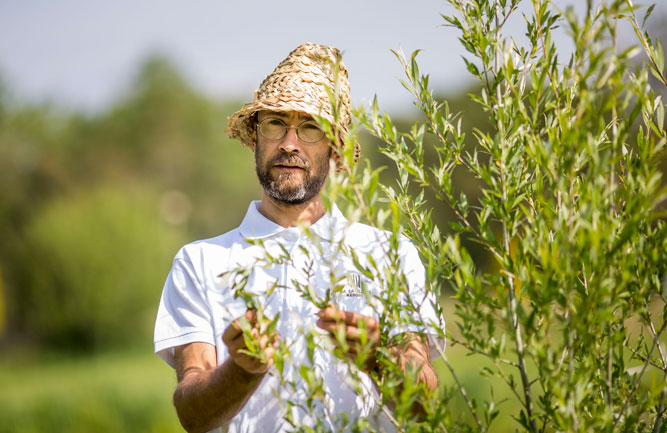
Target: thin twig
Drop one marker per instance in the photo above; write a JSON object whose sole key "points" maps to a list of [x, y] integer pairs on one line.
{"points": [[463, 392], [540, 35], [479, 352], [513, 303], [661, 411], [645, 43], [640, 375], [644, 359]]}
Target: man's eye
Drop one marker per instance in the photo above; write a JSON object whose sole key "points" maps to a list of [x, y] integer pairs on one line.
{"points": [[310, 126], [275, 122]]}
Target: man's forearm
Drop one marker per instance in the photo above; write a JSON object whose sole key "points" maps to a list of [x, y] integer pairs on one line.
{"points": [[207, 399]]}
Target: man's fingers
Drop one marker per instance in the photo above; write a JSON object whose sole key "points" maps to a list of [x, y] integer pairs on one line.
{"points": [[333, 314], [233, 346], [231, 333], [238, 341], [351, 332], [264, 341], [330, 313], [266, 344], [250, 316], [269, 352], [234, 329], [253, 363]]}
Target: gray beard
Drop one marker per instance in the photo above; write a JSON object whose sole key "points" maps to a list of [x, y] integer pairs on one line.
{"points": [[279, 187]]}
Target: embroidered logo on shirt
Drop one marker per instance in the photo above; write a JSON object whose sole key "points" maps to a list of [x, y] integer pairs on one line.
{"points": [[354, 287]]}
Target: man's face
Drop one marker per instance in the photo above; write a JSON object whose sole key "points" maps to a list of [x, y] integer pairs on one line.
{"points": [[290, 170]]}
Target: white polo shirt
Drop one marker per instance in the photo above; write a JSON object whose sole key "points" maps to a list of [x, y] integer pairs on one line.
{"points": [[197, 305]]}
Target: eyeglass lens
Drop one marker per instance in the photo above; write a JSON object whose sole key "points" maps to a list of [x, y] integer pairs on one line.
{"points": [[275, 129]]}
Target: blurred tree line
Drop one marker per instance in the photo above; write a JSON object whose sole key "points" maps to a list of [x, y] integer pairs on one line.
{"points": [[94, 206]]}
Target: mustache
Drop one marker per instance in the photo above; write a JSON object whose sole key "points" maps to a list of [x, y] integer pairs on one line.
{"points": [[291, 160]]}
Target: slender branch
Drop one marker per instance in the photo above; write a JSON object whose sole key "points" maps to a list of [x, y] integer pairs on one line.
{"points": [[540, 34], [463, 392], [479, 352], [663, 394], [651, 327], [640, 375], [570, 352], [612, 180], [519, 341], [661, 411], [609, 370], [647, 47], [642, 358], [492, 249], [513, 304]]}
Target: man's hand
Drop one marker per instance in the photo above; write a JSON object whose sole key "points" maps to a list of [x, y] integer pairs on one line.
{"points": [[358, 335], [210, 395], [233, 337], [359, 332]]}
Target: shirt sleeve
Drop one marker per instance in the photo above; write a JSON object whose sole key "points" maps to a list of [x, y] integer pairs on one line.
{"points": [[420, 303], [183, 315]]}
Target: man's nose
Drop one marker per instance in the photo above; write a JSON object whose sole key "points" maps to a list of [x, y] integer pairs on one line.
{"points": [[290, 142]]}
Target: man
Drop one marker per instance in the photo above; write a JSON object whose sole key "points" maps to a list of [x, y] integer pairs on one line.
{"points": [[205, 320]]}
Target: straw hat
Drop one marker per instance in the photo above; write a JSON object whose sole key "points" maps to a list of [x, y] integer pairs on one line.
{"points": [[299, 83]]}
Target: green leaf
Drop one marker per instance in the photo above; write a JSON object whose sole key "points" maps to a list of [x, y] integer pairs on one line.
{"points": [[649, 11]]}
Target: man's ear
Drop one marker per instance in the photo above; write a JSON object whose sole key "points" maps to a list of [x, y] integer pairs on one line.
{"points": [[253, 128], [335, 156]]}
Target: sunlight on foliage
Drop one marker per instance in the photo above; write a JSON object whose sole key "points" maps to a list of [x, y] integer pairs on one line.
{"points": [[570, 209]]}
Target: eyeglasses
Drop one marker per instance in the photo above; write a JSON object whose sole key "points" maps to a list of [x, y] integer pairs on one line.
{"points": [[273, 128]]}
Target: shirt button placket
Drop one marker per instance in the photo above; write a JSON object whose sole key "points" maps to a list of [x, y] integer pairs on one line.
{"points": [[288, 273]]}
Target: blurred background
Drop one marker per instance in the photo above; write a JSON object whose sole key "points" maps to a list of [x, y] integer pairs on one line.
{"points": [[113, 155]]}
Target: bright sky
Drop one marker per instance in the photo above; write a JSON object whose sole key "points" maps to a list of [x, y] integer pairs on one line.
{"points": [[84, 52]]}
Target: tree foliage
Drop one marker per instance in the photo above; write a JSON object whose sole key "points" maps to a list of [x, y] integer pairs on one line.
{"points": [[96, 205], [572, 319]]}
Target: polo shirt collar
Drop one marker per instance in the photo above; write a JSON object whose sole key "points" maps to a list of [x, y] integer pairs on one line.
{"points": [[331, 226]]}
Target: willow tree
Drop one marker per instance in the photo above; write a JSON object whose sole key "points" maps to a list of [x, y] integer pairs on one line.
{"points": [[571, 321]]}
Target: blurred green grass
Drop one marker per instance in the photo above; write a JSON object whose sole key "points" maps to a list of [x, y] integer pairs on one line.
{"points": [[111, 392], [115, 392], [130, 391]]}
